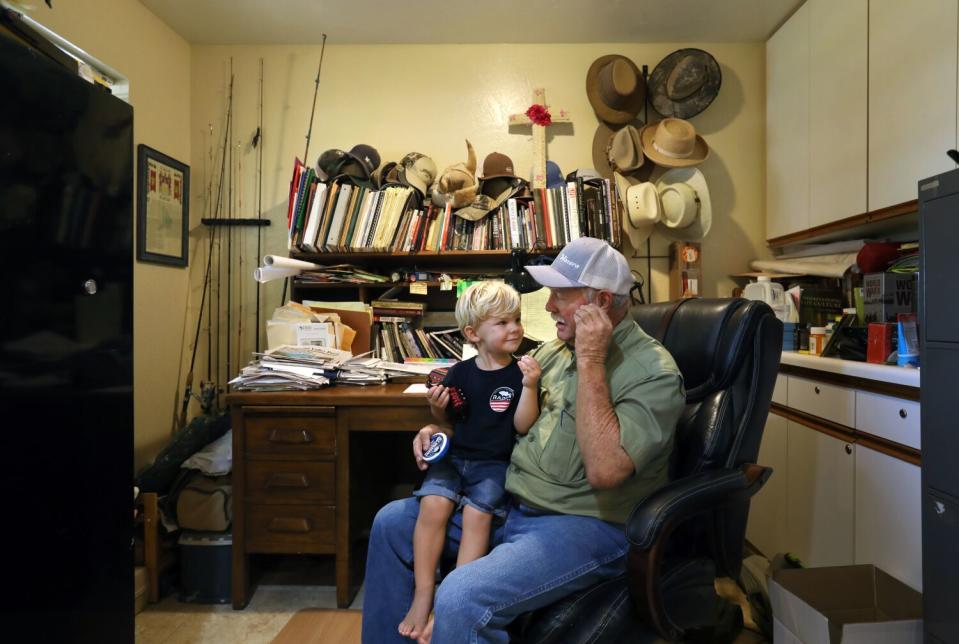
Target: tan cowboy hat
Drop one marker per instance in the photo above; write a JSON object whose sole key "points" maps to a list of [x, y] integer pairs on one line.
{"points": [[615, 88], [641, 209], [673, 143], [687, 210]]}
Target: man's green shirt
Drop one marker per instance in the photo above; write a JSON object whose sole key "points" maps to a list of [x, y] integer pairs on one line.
{"points": [[646, 388]]}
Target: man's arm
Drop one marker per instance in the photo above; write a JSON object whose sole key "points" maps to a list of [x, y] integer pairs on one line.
{"points": [[597, 426]]}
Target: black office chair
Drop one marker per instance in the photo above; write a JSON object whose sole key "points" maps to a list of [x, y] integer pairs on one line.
{"points": [[691, 531]]}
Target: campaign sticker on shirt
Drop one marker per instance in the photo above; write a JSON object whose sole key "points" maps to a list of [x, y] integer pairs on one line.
{"points": [[501, 399]]}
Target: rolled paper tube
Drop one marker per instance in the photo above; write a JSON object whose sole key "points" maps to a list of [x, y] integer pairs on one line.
{"points": [[267, 273], [278, 261]]}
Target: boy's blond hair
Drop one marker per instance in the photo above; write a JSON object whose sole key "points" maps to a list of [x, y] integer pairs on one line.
{"points": [[485, 300]]}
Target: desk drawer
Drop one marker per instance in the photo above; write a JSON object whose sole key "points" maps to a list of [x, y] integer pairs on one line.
{"points": [[837, 404], [307, 432], [891, 418], [291, 482], [389, 419], [289, 528]]}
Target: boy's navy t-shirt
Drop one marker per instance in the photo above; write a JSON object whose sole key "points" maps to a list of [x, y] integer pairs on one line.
{"points": [[492, 397]]}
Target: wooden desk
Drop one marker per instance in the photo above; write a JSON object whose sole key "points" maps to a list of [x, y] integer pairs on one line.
{"points": [[291, 470]]}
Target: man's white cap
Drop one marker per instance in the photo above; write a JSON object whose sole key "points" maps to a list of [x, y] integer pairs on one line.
{"points": [[586, 262]]}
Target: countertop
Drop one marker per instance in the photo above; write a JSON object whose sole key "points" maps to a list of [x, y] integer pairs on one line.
{"points": [[882, 373]]}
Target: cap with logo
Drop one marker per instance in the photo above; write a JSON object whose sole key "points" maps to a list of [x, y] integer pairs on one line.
{"points": [[586, 262], [418, 170]]}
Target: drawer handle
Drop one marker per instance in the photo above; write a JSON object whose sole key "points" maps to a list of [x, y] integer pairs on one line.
{"points": [[849, 449], [291, 436], [284, 479], [902, 413], [299, 525], [816, 389]]}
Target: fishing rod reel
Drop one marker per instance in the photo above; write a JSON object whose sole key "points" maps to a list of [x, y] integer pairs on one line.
{"points": [[207, 397]]}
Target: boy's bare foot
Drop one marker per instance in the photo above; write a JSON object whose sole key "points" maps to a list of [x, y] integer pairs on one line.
{"points": [[427, 634], [416, 618]]}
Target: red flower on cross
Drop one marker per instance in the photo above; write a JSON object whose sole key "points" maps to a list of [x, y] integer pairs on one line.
{"points": [[539, 115]]}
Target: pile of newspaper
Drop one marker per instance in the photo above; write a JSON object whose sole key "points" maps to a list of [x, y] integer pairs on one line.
{"points": [[301, 368]]}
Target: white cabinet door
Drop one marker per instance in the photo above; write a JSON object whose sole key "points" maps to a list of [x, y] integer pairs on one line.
{"points": [[766, 528], [912, 95], [787, 127], [819, 518], [889, 515], [837, 109]]}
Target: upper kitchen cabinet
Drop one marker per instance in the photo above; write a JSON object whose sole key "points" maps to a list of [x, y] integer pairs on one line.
{"points": [[787, 127], [838, 71], [912, 95]]}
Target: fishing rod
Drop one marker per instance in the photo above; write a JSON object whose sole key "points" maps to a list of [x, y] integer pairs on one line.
{"points": [[229, 256], [188, 390], [309, 133], [258, 144]]}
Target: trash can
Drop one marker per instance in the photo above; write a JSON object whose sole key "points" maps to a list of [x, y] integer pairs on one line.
{"points": [[206, 567]]}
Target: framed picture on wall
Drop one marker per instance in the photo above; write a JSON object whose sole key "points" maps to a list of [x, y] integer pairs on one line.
{"points": [[163, 208]]}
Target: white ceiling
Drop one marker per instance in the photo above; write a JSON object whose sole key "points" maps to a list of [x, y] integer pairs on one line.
{"points": [[238, 22]]}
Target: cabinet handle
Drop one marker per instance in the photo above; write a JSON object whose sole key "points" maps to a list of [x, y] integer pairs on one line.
{"points": [[283, 479], [849, 449], [816, 389], [291, 436], [902, 413], [299, 525]]}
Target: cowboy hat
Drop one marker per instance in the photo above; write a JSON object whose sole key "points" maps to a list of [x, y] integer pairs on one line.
{"points": [[686, 207], [684, 83], [640, 208], [615, 88], [673, 143], [457, 184]]}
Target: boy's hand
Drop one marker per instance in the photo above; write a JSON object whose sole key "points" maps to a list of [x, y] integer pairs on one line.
{"points": [[438, 398], [531, 370], [421, 443]]}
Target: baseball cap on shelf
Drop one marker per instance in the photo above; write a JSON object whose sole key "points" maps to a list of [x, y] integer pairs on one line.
{"points": [[586, 262]]}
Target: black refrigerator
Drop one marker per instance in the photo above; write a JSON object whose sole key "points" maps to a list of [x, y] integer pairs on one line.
{"points": [[939, 359], [66, 354]]}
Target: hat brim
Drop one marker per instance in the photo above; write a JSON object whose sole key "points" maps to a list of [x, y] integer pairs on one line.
{"points": [[696, 102], [600, 140], [551, 278], [700, 150], [637, 234], [704, 222], [604, 111]]}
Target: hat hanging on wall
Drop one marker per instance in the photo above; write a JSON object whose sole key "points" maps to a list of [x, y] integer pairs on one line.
{"points": [[641, 208], [687, 212], [615, 88], [684, 83], [673, 143]]}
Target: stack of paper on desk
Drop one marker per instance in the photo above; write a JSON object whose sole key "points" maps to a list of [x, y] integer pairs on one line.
{"points": [[288, 368]]}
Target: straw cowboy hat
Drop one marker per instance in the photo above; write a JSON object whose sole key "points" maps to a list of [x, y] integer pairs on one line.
{"points": [[673, 143], [615, 88], [457, 184], [641, 208], [687, 210], [684, 83]]}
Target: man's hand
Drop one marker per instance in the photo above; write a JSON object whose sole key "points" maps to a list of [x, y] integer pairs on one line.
{"points": [[531, 370], [421, 443], [594, 330]]}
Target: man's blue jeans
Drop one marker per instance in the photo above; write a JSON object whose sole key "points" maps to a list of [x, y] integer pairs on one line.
{"points": [[537, 559]]}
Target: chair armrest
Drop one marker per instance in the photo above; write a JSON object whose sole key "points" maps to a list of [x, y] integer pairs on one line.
{"points": [[687, 497]]}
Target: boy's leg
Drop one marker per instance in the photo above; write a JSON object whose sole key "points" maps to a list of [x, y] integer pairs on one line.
{"points": [[428, 539], [475, 541]]}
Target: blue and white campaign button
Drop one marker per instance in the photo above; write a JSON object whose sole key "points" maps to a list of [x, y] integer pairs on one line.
{"points": [[439, 444]]}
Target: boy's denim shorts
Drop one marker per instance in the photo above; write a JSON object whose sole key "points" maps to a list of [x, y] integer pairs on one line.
{"points": [[479, 483]]}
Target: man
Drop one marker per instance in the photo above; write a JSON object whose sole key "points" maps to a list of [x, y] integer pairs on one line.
{"points": [[610, 397]]}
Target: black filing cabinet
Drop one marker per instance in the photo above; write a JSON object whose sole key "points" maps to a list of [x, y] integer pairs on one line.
{"points": [[939, 356]]}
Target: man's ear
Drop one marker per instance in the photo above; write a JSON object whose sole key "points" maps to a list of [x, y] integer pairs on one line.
{"points": [[604, 300]]}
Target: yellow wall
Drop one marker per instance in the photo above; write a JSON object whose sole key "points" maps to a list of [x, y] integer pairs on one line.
{"points": [[428, 98], [126, 36]]}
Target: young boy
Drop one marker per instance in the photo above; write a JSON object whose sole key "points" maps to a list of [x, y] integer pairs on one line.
{"points": [[501, 400]]}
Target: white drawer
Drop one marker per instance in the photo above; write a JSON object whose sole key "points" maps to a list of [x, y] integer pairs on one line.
{"points": [[837, 404], [894, 419], [779, 391]]}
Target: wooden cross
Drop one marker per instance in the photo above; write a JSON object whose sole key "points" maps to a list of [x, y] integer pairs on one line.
{"points": [[557, 115]]}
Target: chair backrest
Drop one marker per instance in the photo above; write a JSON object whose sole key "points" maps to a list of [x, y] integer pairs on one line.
{"points": [[728, 351]]}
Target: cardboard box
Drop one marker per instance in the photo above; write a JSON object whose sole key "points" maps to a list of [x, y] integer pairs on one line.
{"points": [[847, 604], [685, 270], [887, 294]]}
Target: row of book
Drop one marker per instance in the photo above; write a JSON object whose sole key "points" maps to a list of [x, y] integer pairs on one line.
{"points": [[397, 333], [348, 216]]}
